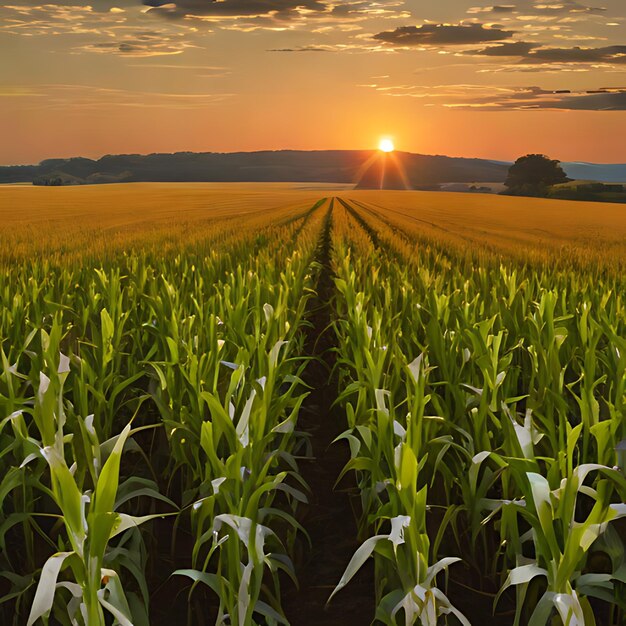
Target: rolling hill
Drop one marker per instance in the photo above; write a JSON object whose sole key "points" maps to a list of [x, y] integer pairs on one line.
{"points": [[325, 166]]}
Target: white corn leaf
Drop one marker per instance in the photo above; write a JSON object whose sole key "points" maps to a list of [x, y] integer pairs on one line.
{"points": [[118, 614], [273, 360], [64, 364], [243, 527], [594, 580], [445, 607], [399, 430], [115, 597], [437, 567], [525, 573], [243, 425], [216, 484], [356, 562], [243, 597], [380, 395], [44, 596], [520, 575], [568, 606], [130, 521], [415, 367], [398, 524], [541, 496]]}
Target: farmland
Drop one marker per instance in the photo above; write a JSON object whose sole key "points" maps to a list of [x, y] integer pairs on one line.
{"points": [[413, 402]]}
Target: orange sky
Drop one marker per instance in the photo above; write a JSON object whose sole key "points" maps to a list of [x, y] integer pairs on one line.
{"points": [[455, 78]]}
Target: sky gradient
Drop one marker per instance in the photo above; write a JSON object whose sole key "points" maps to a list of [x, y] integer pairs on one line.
{"points": [[453, 77]]}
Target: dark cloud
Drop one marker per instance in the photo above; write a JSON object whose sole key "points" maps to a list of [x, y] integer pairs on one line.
{"points": [[492, 98], [303, 49], [442, 35], [499, 8], [349, 8], [609, 54], [513, 49], [282, 9], [531, 98], [536, 54]]}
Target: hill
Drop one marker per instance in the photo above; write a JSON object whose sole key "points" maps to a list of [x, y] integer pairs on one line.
{"points": [[360, 167], [329, 166], [601, 172]]}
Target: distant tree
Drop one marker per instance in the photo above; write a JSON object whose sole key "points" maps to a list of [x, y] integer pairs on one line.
{"points": [[533, 175], [48, 181]]}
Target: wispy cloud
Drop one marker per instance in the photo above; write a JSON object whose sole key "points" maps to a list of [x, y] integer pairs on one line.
{"points": [[55, 19], [539, 7], [534, 98], [96, 98], [249, 15], [303, 49], [115, 30], [140, 44], [487, 98]]}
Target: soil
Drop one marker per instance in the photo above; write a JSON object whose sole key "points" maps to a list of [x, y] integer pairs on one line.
{"points": [[329, 517]]}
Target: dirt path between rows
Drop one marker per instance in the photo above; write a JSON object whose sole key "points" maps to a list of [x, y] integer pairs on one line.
{"points": [[328, 518]]}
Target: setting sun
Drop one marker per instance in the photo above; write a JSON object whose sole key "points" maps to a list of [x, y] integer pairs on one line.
{"points": [[386, 145]]}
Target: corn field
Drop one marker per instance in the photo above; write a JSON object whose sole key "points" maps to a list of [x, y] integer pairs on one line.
{"points": [[155, 370]]}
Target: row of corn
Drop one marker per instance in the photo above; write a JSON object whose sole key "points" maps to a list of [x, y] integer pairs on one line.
{"points": [[148, 412], [485, 404]]}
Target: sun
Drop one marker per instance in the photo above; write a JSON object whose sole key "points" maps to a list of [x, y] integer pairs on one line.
{"points": [[386, 145]]}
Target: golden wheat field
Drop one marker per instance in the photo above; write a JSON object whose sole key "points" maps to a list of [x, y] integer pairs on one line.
{"points": [[112, 217]]}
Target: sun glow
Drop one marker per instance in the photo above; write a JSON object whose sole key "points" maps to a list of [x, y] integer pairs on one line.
{"points": [[386, 145]]}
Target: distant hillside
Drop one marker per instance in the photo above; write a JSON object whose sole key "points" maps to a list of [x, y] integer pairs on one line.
{"points": [[604, 173], [327, 166], [324, 166]]}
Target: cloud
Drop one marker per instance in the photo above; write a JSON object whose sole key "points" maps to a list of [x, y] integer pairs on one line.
{"points": [[317, 16], [283, 9], [274, 10], [55, 19], [384, 9], [539, 8], [80, 98], [442, 35], [111, 31], [137, 47], [533, 98], [564, 6], [302, 49], [99, 6], [610, 55], [499, 8], [489, 98], [536, 54], [513, 49]]}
